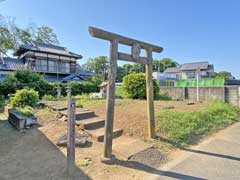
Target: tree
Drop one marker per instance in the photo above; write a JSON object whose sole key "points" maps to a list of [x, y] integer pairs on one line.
{"points": [[223, 74], [156, 65], [166, 63], [23, 79], [120, 74], [127, 68], [99, 65], [163, 64], [46, 35], [138, 68], [12, 36]]}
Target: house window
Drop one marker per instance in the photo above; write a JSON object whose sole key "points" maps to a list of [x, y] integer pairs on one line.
{"points": [[51, 66], [41, 64], [190, 74], [64, 67]]}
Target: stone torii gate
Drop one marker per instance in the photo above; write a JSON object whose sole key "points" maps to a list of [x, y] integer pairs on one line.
{"points": [[114, 55]]}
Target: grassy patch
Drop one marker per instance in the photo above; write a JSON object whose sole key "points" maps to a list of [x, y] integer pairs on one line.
{"points": [[85, 162], [183, 128]]}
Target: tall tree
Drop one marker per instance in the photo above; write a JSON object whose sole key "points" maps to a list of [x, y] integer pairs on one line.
{"points": [[156, 65], [223, 74], [127, 68], [120, 73], [12, 36], [99, 65], [46, 34], [166, 63], [138, 68]]}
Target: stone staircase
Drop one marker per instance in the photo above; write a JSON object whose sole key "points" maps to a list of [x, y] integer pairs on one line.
{"points": [[93, 125]]}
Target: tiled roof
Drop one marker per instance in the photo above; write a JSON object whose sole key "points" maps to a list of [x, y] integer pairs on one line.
{"points": [[47, 48], [172, 70], [194, 66], [12, 64]]}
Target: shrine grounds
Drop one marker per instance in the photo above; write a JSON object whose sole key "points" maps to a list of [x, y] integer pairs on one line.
{"points": [[34, 154]]}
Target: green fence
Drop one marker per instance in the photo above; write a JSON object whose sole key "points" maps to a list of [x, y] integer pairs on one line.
{"points": [[206, 82]]}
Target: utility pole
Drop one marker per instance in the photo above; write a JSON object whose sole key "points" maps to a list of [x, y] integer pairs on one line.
{"points": [[197, 76]]}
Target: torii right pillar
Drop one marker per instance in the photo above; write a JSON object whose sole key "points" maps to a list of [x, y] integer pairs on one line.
{"points": [[149, 93]]}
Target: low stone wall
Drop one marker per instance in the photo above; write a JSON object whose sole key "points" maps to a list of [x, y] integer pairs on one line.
{"points": [[229, 94], [174, 92], [232, 95], [205, 93]]}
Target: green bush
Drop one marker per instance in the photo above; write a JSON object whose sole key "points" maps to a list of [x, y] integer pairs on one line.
{"points": [[119, 93], [134, 85], [25, 97], [79, 104], [1, 102], [49, 98], [182, 128], [24, 111], [79, 88], [23, 79]]}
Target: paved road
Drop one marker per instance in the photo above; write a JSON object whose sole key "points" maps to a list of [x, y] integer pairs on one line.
{"points": [[216, 158]]}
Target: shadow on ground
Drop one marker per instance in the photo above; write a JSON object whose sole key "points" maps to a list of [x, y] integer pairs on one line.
{"points": [[198, 151], [30, 155], [143, 167]]}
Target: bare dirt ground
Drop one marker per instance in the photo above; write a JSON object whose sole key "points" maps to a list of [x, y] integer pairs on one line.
{"points": [[131, 115], [34, 155]]}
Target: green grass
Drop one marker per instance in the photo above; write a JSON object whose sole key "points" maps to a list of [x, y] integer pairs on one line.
{"points": [[185, 128]]}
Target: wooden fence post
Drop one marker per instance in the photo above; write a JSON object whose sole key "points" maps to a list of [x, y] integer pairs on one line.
{"points": [[110, 99], [149, 92], [71, 137]]}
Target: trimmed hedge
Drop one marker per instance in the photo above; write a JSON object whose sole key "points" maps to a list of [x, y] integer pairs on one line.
{"points": [[78, 88]]}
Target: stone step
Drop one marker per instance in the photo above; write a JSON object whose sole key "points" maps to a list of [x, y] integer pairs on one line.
{"points": [[57, 107], [126, 146], [98, 134], [91, 123], [81, 113]]}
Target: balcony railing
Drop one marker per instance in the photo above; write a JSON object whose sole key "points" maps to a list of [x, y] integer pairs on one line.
{"points": [[53, 69]]}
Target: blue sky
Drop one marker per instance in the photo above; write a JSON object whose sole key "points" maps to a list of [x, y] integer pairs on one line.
{"points": [[188, 30]]}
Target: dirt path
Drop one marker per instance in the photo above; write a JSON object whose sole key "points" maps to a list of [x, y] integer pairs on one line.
{"points": [[30, 155], [34, 155]]}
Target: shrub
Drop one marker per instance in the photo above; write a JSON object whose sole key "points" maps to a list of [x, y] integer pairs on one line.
{"points": [[1, 102], [25, 97], [78, 88], [134, 85], [23, 79], [49, 98], [79, 104], [24, 111], [182, 127], [119, 93]]}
